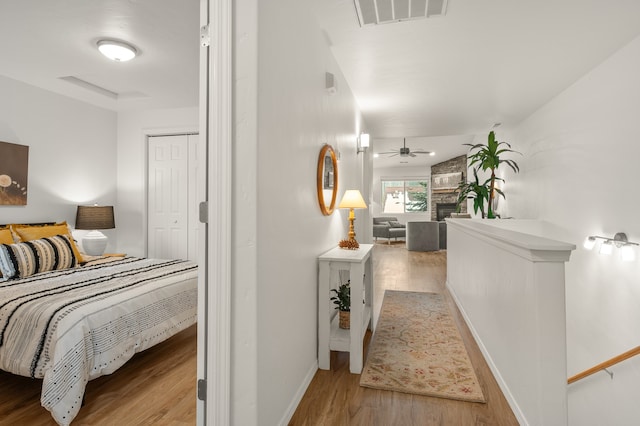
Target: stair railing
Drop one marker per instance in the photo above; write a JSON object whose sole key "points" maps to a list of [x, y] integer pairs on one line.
{"points": [[604, 365]]}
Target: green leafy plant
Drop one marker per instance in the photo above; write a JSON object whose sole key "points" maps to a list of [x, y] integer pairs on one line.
{"points": [[487, 157], [342, 299], [479, 192]]}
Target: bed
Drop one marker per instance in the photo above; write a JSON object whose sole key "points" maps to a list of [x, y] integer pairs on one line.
{"points": [[73, 324]]}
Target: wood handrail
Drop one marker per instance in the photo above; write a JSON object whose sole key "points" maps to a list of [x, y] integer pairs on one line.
{"points": [[616, 359]]}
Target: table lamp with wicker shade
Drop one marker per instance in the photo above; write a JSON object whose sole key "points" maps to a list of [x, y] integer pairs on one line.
{"points": [[94, 218]]}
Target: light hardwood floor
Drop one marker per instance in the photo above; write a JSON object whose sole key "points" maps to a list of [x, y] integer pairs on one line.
{"points": [[156, 387], [335, 396]]}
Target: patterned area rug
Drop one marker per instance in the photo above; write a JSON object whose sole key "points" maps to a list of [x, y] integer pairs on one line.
{"points": [[417, 349]]}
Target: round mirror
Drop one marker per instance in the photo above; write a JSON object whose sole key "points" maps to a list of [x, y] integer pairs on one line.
{"points": [[327, 182]]}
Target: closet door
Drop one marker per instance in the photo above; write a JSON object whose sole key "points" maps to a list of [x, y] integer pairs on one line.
{"points": [[168, 195]]}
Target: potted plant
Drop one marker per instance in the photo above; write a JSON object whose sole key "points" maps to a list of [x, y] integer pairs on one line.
{"points": [[477, 191], [487, 157], [342, 300]]}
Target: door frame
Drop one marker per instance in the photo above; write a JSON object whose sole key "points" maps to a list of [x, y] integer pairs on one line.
{"points": [[214, 285]]}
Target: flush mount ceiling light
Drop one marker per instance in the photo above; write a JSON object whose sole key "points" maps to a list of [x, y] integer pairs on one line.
{"points": [[117, 50]]}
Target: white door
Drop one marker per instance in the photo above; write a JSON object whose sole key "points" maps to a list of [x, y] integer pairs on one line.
{"points": [[168, 195]]}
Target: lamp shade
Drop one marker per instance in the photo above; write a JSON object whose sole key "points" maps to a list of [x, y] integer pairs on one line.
{"points": [[95, 217], [606, 248], [364, 140], [352, 199]]}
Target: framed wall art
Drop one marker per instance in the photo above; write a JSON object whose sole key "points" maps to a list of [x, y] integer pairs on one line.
{"points": [[14, 170], [446, 182]]}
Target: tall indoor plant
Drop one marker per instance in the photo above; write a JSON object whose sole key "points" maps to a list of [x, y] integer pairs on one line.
{"points": [[479, 192], [487, 157]]}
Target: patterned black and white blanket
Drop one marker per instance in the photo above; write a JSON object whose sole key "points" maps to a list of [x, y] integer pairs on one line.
{"points": [[71, 326]]}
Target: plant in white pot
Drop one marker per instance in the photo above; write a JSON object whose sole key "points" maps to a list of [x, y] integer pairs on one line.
{"points": [[342, 300]]}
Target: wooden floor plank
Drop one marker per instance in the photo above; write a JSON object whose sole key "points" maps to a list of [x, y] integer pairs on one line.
{"points": [[156, 387]]}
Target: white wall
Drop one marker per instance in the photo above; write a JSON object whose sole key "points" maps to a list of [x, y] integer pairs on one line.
{"points": [[72, 153], [281, 64], [400, 173], [133, 128], [580, 172]]}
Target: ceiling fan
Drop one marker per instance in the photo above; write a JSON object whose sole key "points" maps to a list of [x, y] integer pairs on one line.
{"points": [[406, 152]]}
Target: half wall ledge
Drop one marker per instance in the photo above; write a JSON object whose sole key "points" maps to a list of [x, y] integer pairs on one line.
{"points": [[508, 282]]}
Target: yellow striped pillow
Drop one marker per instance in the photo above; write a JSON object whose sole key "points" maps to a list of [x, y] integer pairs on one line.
{"points": [[28, 233], [25, 259]]}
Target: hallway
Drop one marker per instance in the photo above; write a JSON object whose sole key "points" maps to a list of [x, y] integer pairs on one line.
{"points": [[335, 397]]}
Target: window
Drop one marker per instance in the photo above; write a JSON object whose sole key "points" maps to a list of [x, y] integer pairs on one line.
{"points": [[405, 196]]}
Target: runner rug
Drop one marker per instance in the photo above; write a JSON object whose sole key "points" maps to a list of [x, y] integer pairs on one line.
{"points": [[417, 349]]}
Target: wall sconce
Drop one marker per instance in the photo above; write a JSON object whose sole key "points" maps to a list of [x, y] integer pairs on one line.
{"points": [[363, 142], [627, 252]]}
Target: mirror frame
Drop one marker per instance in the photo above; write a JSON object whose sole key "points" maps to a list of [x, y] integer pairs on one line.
{"points": [[327, 150]]}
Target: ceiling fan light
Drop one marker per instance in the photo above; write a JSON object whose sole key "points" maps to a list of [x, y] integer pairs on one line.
{"points": [[117, 50]]}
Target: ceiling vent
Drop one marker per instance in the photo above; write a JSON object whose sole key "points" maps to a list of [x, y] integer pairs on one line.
{"points": [[89, 86], [373, 12]]}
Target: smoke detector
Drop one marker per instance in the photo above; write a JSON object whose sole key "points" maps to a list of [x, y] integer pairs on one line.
{"points": [[373, 12]]}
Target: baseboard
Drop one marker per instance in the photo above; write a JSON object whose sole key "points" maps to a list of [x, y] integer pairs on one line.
{"points": [[299, 394], [492, 366]]}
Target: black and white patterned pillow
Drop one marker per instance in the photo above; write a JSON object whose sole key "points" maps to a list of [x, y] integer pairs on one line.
{"points": [[31, 257]]}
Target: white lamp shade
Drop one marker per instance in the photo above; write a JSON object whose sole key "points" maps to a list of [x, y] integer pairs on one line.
{"points": [[364, 140], [627, 253], [589, 243], [352, 199], [606, 248]]}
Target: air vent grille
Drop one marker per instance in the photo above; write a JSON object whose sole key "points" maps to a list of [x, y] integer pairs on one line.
{"points": [[373, 12]]}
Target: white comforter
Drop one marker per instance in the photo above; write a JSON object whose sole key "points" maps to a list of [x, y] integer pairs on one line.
{"points": [[69, 327]]}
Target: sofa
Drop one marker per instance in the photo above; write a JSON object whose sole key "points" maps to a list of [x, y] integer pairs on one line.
{"points": [[388, 227]]}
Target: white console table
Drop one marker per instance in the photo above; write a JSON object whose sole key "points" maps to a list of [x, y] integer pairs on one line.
{"points": [[330, 336]]}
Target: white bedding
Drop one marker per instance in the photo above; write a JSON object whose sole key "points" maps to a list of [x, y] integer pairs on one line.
{"points": [[68, 327]]}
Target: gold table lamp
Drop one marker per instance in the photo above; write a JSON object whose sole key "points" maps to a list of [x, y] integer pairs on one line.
{"points": [[352, 199]]}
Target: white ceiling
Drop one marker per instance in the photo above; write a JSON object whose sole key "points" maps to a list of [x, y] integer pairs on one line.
{"points": [[483, 62], [43, 40], [436, 81]]}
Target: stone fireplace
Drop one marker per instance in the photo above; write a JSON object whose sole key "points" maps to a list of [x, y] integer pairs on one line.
{"points": [[444, 210], [444, 199]]}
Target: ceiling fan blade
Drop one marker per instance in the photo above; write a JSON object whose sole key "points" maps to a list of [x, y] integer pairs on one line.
{"points": [[394, 154], [388, 152], [412, 154], [421, 152]]}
